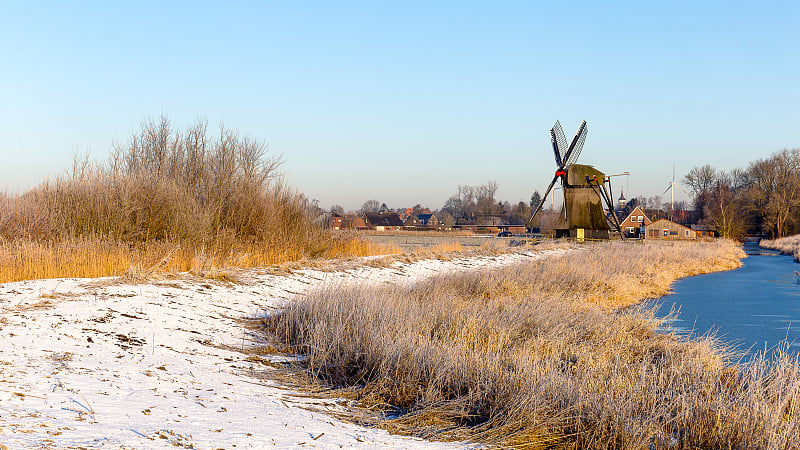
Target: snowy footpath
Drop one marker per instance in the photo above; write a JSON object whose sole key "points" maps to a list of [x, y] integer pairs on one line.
{"points": [[97, 363]]}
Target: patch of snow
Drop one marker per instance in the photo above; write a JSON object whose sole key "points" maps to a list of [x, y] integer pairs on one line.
{"points": [[95, 364]]}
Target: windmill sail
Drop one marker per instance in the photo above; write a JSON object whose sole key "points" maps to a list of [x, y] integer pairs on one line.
{"points": [[559, 143], [577, 145]]}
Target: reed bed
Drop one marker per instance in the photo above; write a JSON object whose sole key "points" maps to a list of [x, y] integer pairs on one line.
{"points": [[93, 257], [556, 352], [789, 245], [165, 200]]}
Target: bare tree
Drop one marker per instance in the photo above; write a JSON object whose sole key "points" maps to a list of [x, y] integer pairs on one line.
{"points": [[774, 190], [446, 218], [700, 178], [519, 213], [724, 208], [370, 206], [484, 198]]}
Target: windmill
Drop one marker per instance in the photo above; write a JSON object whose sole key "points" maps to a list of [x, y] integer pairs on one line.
{"points": [[671, 188], [584, 189]]}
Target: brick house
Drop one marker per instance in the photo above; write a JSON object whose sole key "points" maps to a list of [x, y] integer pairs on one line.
{"points": [[346, 222], [633, 224], [667, 229], [358, 223], [336, 222]]}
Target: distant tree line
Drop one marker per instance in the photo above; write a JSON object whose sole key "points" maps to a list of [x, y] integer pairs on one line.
{"points": [[763, 198], [464, 207], [472, 202]]}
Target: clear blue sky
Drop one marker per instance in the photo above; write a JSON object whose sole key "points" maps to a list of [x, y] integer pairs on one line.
{"points": [[404, 101]]}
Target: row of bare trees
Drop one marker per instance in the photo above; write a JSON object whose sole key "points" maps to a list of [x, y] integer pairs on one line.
{"points": [[464, 207], [763, 198], [470, 202]]}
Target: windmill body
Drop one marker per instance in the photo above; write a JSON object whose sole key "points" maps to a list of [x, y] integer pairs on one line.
{"points": [[583, 204], [584, 187]]}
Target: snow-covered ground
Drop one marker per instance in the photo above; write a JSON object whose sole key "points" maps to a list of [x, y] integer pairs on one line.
{"points": [[88, 363]]}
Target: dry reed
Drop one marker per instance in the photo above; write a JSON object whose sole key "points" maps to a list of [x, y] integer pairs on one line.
{"points": [[789, 245], [547, 354], [219, 201], [92, 256]]}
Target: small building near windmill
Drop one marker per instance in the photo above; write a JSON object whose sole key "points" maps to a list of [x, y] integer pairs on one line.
{"points": [[705, 231], [667, 229], [386, 221], [632, 226]]}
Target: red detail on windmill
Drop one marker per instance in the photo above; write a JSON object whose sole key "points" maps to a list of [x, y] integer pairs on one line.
{"points": [[560, 173]]}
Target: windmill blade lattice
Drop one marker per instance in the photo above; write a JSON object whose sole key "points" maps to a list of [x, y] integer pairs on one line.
{"points": [[559, 143], [577, 144]]}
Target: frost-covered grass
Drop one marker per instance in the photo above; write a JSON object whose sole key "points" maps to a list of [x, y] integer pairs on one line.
{"points": [[546, 353], [789, 245]]}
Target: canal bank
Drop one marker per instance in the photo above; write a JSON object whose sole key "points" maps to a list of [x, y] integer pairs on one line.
{"points": [[754, 308]]}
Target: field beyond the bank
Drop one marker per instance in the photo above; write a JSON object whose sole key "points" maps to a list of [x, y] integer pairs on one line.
{"points": [[555, 352]]}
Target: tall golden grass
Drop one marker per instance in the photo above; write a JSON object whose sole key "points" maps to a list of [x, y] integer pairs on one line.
{"points": [[92, 256], [217, 200], [550, 353], [789, 245]]}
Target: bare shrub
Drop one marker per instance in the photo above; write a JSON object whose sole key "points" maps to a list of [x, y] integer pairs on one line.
{"points": [[223, 194]]}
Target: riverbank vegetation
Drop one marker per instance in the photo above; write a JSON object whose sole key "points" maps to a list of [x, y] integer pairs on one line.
{"points": [[789, 245], [165, 200], [554, 352]]}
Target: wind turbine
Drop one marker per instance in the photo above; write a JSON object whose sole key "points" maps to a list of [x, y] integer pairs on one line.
{"points": [[671, 188]]}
